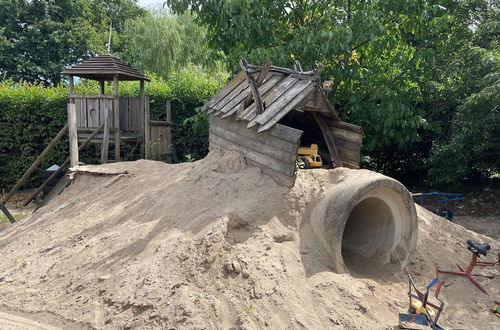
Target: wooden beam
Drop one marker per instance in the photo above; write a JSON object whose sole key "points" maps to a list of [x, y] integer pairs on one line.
{"points": [[253, 87], [327, 135], [297, 66], [142, 106], [35, 164], [63, 165], [105, 138], [7, 213], [147, 132], [101, 87], [260, 79], [116, 110], [73, 135]]}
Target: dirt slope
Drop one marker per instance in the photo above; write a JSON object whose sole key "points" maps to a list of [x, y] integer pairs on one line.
{"points": [[211, 245]]}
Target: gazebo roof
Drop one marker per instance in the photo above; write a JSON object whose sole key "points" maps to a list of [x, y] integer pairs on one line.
{"points": [[104, 67]]}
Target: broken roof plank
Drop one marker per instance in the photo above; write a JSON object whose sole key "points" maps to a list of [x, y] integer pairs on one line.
{"points": [[283, 100], [287, 108], [268, 84], [231, 95], [225, 90]]}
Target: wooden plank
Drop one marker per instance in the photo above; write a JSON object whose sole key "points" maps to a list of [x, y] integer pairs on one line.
{"points": [[285, 85], [347, 135], [327, 135], [278, 177], [254, 87], [116, 114], [285, 98], [159, 123], [282, 137], [91, 96], [62, 167], [105, 139], [287, 108], [36, 163], [260, 79], [340, 142], [225, 90], [236, 91], [92, 112], [124, 117], [287, 133], [73, 136], [348, 127], [147, 131], [7, 213], [266, 86], [254, 155], [254, 144]]}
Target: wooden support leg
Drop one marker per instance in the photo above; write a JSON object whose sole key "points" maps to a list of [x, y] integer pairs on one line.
{"points": [[35, 164], [328, 136], [73, 137], [7, 213], [105, 138]]}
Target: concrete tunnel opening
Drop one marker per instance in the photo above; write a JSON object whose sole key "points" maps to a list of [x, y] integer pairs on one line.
{"points": [[365, 222], [368, 234]]}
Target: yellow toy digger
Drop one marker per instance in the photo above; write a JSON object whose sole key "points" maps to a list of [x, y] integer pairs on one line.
{"points": [[308, 157]]}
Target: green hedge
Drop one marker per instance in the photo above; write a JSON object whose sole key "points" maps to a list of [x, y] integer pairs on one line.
{"points": [[31, 115]]}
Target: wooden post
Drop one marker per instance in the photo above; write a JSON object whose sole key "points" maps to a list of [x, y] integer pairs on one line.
{"points": [[328, 136], [147, 131], [71, 89], [63, 165], [105, 138], [7, 213], [101, 87], [142, 107], [260, 79], [35, 164], [73, 137], [116, 110], [168, 108]]}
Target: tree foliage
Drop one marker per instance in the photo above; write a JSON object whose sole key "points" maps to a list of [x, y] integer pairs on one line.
{"points": [[38, 38], [162, 43], [400, 69]]}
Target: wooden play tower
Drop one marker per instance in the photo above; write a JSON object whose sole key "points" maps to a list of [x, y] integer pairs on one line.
{"points": [[122, 119], [103, 118]]}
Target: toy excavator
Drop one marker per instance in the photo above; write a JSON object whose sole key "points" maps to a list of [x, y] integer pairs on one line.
{"points": [[308, 157]]}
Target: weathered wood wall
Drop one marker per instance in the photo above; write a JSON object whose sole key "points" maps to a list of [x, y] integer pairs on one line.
{"points": [[274, 150], [348, 139], [90, 112]]}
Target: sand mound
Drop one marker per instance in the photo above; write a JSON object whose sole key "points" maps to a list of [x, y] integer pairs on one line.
{"points": [[212, 245]]}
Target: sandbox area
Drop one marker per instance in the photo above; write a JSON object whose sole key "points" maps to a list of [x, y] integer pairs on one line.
{"points": [[216, 244]]}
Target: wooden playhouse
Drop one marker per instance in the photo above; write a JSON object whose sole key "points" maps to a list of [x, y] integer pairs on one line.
{"points": [[267, 112]]}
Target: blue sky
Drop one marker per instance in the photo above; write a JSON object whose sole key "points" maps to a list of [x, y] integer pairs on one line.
{"points": [[150, 3]]}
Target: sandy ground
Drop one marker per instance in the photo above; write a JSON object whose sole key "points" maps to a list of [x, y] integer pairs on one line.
{"points": [[213, 245], [486, 225]]}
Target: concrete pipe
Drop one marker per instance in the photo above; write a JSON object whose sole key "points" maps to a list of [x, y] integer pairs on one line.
{"points": [[367, 218]]}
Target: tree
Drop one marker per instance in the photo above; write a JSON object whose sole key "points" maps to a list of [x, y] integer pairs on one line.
{"points": [[161, 42], [399, 68], [39, 38]]}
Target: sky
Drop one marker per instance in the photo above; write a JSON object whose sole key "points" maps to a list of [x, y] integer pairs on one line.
{"points": [[150, 3]]}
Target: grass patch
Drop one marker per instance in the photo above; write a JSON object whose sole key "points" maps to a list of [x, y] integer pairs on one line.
{"points": [[17, 216]]}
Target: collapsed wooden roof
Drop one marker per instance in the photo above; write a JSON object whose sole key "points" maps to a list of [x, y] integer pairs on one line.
{"points": [[104, 67], [264, 95]]}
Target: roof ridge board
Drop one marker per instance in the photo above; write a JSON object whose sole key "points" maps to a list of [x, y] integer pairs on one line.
{"points": [[255, 68]]}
